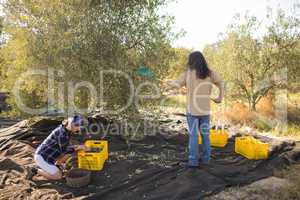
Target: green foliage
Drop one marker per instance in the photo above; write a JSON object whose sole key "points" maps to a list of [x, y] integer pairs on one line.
{"points": [[178, 101], [82, 38], [179, 62], [249, 64], [261, 124], [1, 25]]}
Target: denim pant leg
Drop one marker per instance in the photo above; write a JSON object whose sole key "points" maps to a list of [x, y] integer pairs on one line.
{"points": [[204, 125], [193, 125]]}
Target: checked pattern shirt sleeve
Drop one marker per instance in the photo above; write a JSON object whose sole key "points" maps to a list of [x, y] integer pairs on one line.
{"points": [[56, 144], [64, 143]]}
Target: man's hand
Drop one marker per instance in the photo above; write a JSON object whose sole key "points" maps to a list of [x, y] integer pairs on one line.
{"points": [[62, 159], [217, 100], [81, 147]]}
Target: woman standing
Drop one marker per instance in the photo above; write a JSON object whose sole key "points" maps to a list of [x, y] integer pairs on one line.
{"points": [[198, 79]]}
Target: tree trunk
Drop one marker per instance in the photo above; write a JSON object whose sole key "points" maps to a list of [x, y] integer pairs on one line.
{"points": [[253, 106]]}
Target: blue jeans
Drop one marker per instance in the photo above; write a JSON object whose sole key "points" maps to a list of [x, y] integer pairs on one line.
{"points": [[194, 124]]}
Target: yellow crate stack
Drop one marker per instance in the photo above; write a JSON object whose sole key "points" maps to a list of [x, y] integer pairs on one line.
{"points": [[251, 148], [93, 160]]}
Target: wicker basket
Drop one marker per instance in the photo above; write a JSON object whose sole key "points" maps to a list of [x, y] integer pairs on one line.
{"points": [[78, 177]]}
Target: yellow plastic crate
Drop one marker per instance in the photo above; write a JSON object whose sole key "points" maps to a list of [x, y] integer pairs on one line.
{"points": [[251, 148], [93, 160], [218, 138]]}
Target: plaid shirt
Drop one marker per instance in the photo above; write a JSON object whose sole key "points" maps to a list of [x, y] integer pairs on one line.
{"points": [[56, 144]]}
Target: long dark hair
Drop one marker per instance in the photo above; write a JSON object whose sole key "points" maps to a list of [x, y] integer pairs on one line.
{"points": [[197, 61]]}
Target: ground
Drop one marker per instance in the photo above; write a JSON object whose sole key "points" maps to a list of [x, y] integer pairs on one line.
{"points": [[151, 167]]}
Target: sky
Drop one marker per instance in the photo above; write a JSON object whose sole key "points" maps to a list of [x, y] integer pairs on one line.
{"points": [[203, 20]]}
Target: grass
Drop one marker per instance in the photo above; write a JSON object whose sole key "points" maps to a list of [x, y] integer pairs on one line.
{"points": [[293, 116], [174, 103], [178, 101], [265, 120]]}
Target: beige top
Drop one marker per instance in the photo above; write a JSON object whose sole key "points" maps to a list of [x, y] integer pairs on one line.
{"points": [[198, 91]]}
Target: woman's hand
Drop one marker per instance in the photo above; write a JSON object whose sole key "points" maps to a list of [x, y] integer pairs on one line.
{"points": [[221, 86]]}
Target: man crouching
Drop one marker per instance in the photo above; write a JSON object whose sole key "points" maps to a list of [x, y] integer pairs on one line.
{"points": [[56, 145]]}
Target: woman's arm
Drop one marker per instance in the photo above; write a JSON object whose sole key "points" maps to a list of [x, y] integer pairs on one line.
{"points": [[179, 82], [221, 88], [216, 79]]}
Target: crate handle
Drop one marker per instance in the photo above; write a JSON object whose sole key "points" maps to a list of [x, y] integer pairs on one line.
{"points": [[100, 149]]}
